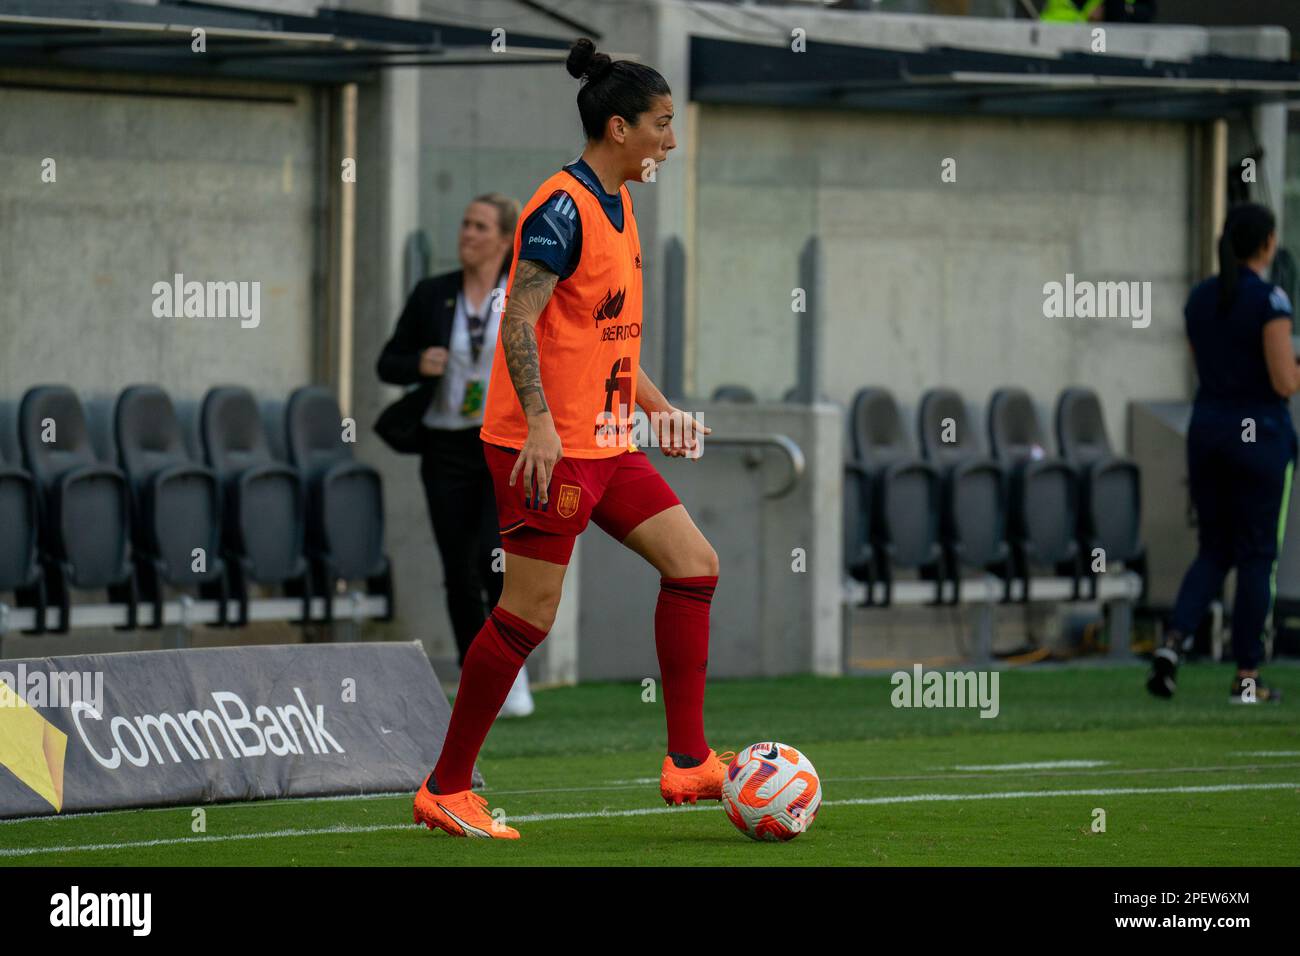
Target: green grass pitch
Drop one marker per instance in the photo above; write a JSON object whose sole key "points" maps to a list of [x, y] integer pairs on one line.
{"points": [[1193, 781]]}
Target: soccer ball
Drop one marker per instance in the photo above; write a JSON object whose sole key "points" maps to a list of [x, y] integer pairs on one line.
{"points": [[772, 792]]}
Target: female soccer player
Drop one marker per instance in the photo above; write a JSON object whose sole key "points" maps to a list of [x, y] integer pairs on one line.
{"points": [[565, 380], [1241, 447]]}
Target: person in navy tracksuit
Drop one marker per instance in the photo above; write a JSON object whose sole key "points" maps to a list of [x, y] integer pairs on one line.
{"points": [[1241, 448]]}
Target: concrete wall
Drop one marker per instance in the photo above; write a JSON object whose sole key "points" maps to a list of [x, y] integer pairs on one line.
{"points": [[151, 183], [777, 608], [931, 283]]}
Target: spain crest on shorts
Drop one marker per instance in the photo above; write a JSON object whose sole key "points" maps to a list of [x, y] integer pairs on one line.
{"points": [[566, 506]]}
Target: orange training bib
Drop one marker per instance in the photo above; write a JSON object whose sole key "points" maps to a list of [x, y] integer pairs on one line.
{"points": [[588, 336]]}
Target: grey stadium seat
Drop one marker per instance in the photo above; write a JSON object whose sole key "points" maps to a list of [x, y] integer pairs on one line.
{"points": [[973, 509], [1110, 504], [859, 559], [1043, 490], [904, 491], [176, 501], [345, 498], [85, 511], [263, 501], [20, 556]]}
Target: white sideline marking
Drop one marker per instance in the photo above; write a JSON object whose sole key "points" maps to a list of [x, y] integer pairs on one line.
{"points": [[892, 778], [1038, 765], [492, 791], [269, 834], [647, 811], [1265, 753], [213, 806], [1026, 794]]}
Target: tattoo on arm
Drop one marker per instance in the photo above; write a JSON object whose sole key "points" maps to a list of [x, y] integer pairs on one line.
{"points": [[529, 293]]}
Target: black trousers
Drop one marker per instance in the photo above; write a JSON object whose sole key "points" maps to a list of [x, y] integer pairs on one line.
{"points": [[463, 511], [1240, 490]]}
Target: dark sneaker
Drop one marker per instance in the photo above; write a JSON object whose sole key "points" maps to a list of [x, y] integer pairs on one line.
{"points": [[1256, 692], [1162, 681]]}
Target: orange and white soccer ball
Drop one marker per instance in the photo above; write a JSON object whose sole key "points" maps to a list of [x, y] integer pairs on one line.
{"points": [[772, 792]]}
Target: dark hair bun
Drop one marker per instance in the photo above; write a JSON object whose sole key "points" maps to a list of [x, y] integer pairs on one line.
{"points": [[584, 61]]}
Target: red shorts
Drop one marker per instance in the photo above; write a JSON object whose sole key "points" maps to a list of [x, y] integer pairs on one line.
{"points": [[617, 493]]}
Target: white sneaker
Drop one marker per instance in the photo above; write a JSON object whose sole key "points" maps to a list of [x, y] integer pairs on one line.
{"points": [[519, 702]]}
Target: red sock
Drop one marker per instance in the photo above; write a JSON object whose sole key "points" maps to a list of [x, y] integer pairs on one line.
{"points": [[682, 643], [491, 666]]}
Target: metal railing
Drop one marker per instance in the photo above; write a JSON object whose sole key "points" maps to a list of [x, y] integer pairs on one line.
{"points": [[793, 453]]}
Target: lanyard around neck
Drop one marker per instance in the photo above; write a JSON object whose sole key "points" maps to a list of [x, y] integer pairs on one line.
{"points": [[477, 323]]}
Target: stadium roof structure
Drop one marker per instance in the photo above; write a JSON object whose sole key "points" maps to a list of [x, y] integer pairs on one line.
{"points": [[958, 80], [333, 46], [341, 46]]}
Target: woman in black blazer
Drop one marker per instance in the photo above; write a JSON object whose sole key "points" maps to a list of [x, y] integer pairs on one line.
{"points": [[444, 342]]}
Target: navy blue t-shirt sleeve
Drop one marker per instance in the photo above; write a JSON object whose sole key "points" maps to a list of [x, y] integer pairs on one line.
{"points": [[1279, 304], [552, 235]]}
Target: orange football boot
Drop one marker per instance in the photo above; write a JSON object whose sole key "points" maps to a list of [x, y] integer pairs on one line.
{"points": [[680, 785], [461, 814]]}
